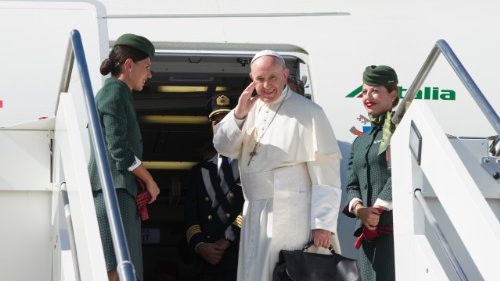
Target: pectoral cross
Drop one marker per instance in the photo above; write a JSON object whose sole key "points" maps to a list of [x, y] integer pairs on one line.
{"points": [[253, 153], [259, 138]]}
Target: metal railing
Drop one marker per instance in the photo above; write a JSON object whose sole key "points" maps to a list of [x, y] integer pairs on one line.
{"points": [[71, 232], [441, 47], [75, 50], [439, 233]]}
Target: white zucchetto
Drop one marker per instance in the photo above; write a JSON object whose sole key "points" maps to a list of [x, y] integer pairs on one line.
{"points": [[268, 53]]}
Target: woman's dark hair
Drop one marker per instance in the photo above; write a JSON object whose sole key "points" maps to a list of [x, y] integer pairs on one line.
{"points": [[118, 55], [390, 88]]}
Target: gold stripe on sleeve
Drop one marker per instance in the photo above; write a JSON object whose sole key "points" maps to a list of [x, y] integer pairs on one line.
{"points": [[192, 231], [238, 221]]}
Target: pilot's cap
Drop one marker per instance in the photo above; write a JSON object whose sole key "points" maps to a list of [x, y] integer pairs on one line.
{"points": [[380, 75], [137, 42], [219, 104]]}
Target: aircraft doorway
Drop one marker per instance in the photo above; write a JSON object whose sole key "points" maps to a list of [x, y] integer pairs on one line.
{"points": [[172, 112]]}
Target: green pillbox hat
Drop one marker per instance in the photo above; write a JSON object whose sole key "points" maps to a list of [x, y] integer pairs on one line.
{"points": [[137, 42], [380, 75]]}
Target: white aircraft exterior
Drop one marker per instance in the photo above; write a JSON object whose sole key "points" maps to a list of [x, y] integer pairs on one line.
{"points": [[49, 226]]}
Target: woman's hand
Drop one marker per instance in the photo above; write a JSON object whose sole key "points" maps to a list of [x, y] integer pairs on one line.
{"points": [[142, 173], [153, 190], [369, 216]]}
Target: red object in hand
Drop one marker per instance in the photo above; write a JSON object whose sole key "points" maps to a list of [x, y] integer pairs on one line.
{"points": [[371, 234], [142, 199]]}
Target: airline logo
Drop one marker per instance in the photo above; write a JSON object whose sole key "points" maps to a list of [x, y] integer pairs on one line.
{"points": [[427, 93]]}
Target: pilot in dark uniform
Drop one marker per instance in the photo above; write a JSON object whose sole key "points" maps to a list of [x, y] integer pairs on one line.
{"points": [[213, 209]]}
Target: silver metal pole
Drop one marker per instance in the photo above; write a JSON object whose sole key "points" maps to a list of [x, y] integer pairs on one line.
{"points": [[417, 83], [71, 232], [441, 47], [66, 76], [469, 83], [439, 233], [125, 268]]}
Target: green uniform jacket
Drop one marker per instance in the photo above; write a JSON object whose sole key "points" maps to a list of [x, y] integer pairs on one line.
{"points": [[368, 176], [121, 134], [369, 179]]}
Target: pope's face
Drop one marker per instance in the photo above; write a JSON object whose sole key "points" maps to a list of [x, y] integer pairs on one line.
{"points": [[269, 78]]}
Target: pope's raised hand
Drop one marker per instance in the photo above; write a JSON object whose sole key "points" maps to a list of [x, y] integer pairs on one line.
{"points": [[245, 102]]}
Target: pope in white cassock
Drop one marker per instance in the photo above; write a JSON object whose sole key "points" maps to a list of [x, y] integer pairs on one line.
{"points": [[289, 165]]}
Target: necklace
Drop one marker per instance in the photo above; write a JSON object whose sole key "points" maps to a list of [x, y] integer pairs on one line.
{"points": [[257, 143]]}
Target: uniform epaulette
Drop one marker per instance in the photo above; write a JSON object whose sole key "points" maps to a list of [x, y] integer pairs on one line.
{"points": [[192, 231], [238, 221]]}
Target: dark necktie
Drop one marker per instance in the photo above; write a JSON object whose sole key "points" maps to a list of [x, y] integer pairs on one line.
{"points": [[228, 171]]}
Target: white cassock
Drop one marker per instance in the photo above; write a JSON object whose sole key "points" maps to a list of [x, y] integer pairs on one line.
{"points": [[291, 185]]}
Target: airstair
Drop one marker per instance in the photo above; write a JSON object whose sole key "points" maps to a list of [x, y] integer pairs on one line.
{"points": [[446, 190], [73, 126], [52, 231], [49, 230]]}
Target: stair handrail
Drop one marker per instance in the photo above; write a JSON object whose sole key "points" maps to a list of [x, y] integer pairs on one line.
{"points": [[71, 232], [125, 267], [442, 47], [439, 234]]}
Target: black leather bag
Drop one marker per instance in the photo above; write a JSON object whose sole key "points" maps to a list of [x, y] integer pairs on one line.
{"points": [[299, 265]]}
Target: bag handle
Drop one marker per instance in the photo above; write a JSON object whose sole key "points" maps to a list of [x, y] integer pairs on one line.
{"points": [[311, 243]]}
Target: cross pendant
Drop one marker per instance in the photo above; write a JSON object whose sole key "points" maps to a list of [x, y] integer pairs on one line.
{"points": [[252, 154]]}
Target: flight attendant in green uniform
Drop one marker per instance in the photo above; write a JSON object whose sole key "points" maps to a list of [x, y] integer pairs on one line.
{"points": [[129, 63], [369, 189]]}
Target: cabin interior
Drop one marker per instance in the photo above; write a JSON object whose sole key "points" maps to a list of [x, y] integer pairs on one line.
{"points": [[172, 110]]}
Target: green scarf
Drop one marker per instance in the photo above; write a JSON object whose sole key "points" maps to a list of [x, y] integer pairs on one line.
{"points": [[384, 120]]}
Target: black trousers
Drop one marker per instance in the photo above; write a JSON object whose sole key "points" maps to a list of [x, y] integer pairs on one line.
{"points": [[228, 275]]}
